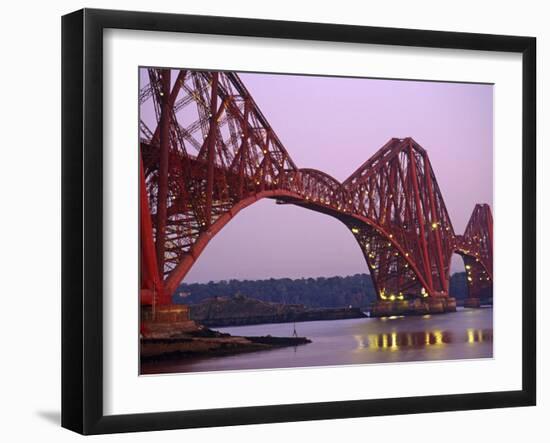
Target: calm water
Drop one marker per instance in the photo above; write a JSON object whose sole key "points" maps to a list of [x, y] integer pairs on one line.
{"points": [[468, 333]]}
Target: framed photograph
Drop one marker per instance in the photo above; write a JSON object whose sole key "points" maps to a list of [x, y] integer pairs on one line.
{"points": [[269, 221]]}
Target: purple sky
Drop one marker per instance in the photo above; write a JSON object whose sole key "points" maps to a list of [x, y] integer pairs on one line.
{"points": [[334, 125]]}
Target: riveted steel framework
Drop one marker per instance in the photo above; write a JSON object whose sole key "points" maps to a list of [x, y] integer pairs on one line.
{"points": [[207, 152], [476, 248]]}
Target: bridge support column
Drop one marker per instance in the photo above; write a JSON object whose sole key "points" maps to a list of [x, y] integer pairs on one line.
{"points": [[428, 305], [450, 304], [472, 302], [165, 320]]}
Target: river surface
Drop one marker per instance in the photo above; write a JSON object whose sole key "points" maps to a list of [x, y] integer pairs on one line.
{"points": [[465, 334]]}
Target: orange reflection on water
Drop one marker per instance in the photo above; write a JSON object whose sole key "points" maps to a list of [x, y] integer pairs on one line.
{"points": [[397, 340], [393, 341], [478, 335]]}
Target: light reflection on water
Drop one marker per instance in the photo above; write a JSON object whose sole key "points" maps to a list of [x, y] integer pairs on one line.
{"points": [[466, 334], [394, 341]]}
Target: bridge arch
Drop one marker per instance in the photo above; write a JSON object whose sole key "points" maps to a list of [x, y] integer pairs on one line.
{"points": [[178, 273], [361, 227]]}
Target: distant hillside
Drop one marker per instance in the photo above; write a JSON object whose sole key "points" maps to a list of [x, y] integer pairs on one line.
{"points": [[322, 292]]}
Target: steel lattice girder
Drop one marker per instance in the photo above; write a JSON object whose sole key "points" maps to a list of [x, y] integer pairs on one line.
{"points": [[476, 249]]}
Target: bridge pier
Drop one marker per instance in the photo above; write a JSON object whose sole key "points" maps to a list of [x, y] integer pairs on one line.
{"points": [[165, 320], [428, 305], [472, 302]]}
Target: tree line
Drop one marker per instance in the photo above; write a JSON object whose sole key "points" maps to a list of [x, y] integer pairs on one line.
{"points": [[321, 292]]}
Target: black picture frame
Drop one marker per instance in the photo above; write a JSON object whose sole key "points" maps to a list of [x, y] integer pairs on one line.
{"points": [[82, 219]]}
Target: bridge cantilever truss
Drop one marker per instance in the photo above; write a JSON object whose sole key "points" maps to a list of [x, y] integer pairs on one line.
{"points": [[207, 152]]}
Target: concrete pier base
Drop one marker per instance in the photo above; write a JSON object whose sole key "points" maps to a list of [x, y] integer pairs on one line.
{"points": [[472, 302], [164, 313], [165, 320], [428, 305]]}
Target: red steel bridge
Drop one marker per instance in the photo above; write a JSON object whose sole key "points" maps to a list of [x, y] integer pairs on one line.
{"points": [[207, 152]]}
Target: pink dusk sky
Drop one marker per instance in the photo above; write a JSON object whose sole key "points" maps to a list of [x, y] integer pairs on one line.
{"points": [[334, 124]]}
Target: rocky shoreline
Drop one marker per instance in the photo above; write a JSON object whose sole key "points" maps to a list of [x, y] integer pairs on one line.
{"points": [[199, 341]]}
